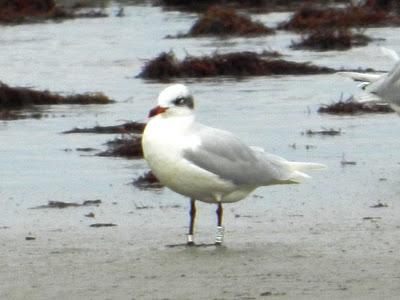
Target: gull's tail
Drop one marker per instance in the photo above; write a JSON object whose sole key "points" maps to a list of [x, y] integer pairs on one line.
{"points": [[299, 168], [283, 171]]}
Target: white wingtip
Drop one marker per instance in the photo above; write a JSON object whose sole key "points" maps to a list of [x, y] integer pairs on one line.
{"points": [[299, 168], [298, 177], [307, 166], [364, 77]]}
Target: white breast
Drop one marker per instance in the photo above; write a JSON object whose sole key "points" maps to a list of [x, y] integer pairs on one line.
{"points": [[163, 141]]}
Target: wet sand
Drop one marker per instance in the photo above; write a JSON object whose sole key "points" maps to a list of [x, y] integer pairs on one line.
{"points": [[332, 263], [282, 252]]}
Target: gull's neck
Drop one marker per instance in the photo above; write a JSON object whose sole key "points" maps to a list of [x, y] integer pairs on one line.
{"points": [[179, 120], [175, 124]]}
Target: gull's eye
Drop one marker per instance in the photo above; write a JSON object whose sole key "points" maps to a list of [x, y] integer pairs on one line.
{"points": [[180, 101], [183, 101]]}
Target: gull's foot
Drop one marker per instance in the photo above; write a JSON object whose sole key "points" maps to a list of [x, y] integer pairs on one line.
{"points": [[219, 237], [190, 241]]}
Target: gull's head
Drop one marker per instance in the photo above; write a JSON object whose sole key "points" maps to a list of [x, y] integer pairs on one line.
{"points": [[175, 100]]}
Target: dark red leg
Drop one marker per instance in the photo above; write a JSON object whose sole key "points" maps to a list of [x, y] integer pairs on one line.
{"points": [[192, 214], [220, 230]]}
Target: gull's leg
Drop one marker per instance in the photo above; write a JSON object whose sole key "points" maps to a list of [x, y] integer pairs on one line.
{"points": [[192, 214], [220, 229]]}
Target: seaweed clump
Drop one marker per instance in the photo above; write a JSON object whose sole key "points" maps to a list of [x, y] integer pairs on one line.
{"points": [[223, 21], [128, 145], [351, 107], [147, 181], [255, 6], [17, 10], [237, 64], [201, 5], [20, 11], [15, 99], [125, 146], [129, 127], [331, 39], [61, 204], [383, 4], [308, 17], [20, 97]]}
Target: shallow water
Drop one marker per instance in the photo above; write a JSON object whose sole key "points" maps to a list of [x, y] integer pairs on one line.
{"points": [[271, 112], [39, 164]]}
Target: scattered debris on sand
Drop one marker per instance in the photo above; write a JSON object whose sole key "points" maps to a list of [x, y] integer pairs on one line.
{"points": [[373, 219], [324, 39], [345, 162], [379, 205], [225, 21], [147, 181], [243, 216], [60, 204], [324, 132], [307, 146], [129, 146], [309, 17], [129, 127], [273, 294], [140, 207], [352, 107], [97, 225], [85, 149], [237, 64]]}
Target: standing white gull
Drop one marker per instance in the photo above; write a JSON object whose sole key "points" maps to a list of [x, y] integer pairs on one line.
{"points": [[205, 163]]}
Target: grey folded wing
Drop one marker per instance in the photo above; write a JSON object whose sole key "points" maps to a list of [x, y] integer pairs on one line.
{"points": [[223, 154]]}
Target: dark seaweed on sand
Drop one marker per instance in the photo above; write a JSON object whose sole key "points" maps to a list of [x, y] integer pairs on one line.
{"points": [[98, 225], [20, 97], [129, 127], [237, 64], [21, 11], [17, 10], [61, 204], [223, 21], [203, 5], [309, 17], [351, 107], [323, 132], [255, 6], [13, 100], [129, 146], [324, 39], [147, 181]]}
